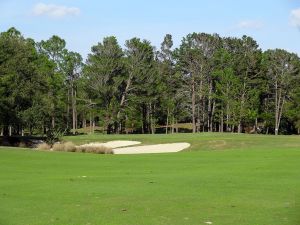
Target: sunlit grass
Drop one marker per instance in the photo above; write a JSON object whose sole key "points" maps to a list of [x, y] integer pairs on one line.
{"points": [[236, 179]]}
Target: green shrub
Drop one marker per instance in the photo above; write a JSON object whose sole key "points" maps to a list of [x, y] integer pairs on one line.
{"points": [[54, 135]]}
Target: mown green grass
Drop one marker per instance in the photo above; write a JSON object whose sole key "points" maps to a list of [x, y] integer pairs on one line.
{"points": [[202, 141], [250, 180]]}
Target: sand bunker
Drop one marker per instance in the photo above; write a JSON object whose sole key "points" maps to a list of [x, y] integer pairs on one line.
{"points": [[114, 144], [121, 147], [159, 148]]}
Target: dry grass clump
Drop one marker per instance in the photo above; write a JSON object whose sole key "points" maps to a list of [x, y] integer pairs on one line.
{"points": [[65, 147], [94, 149], [58, 147], [43, 146], [69, 147]]}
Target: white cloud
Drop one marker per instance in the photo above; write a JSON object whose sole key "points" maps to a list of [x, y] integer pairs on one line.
{"points": [[54, 11], [250, 24], [295, 17]]}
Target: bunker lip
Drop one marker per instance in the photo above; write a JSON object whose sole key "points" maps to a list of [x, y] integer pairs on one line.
{"points": [[158, 148], [114, 144]]}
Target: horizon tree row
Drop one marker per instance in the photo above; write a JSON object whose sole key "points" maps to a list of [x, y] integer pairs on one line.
{"points": [[216, 84]]}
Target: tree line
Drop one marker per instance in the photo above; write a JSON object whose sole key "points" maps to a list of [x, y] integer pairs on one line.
{"points": [[216, 84]]}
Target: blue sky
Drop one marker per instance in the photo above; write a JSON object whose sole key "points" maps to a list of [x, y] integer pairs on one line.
{"points": [[273, 23]]}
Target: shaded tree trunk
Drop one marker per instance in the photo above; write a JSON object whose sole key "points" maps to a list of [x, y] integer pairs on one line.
{"points": [[242, 105], [167, 123], [152, 123], [193, 106], [279, 104], [124, 95], [53, 121], [73, 109], [172, 125], [68, 108], [221, 129], [209, 108], [227, 117]]}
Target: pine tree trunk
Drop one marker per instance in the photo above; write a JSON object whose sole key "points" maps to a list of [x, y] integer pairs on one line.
{"points": [[68, 108], [152, 124], [73, 110], [239, 127], [193, 106], [91, 123], [172, 126], [199, 110], [203, 115], [256, 124], [124, 94], [277, 102], [198, 126], [142, 120], [53, 121], [148, 119], [242, 106], [212, 115], [167, 125], [222, 123], [227, 117], [84, 123], [209, 108]]}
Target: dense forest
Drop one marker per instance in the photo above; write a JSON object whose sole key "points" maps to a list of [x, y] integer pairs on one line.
{"points": [[213, 83]]}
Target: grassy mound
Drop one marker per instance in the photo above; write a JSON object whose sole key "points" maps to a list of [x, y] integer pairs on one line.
{"points": [[236, 183]]}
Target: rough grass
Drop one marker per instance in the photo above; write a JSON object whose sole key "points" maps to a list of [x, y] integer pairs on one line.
{"points": [[65, 146], [251, 180], [94, 149], [43, 146], [58, 147], [69, 147]]}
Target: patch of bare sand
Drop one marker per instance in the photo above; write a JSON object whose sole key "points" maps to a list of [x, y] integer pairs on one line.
{"points": [[159, 148]]}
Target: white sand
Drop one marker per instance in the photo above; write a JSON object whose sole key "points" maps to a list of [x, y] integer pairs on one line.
{"points": [[159, 148], [121, 147], [114, 144]]}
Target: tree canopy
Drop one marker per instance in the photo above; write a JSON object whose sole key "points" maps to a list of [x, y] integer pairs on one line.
{"points": [[213, 83]]}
